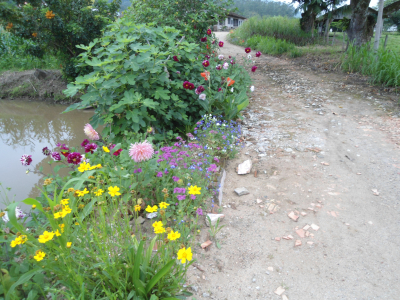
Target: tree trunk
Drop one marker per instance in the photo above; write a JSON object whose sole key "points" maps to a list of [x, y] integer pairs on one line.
{"points": [[358, 31], [307, 21], [379, 25]]}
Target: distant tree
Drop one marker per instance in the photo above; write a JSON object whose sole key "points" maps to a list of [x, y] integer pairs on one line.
{"points": [[250, 8], [393, 18]]}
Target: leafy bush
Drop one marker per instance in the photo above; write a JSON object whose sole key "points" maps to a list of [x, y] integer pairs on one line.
{"points": [[85, 240], [383, 66], [145, 77], [59, 25]]}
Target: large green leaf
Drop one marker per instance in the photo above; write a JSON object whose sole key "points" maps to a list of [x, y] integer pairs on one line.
{"points": [[31, 201], [160, 274], [24, 278]]}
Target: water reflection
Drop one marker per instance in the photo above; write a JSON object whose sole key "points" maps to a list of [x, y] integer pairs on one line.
{"points": [[28, 127]]}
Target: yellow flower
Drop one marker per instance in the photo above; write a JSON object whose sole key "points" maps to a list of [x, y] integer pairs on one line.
{"points": [[151, 209], [33, 206], [76, 223], [174, 235], [83, 193], [34, 34], [69, 244], [84, 166], [57, 215], [164, 205], [19, 240], [159, 229], [99, 192], [39, 255], [99, 166], [50, 15], [113, 191], [194, 190], [62, 227], [185, 254], [46, 236], [57, 233], [14, 243], [157, 224], [64, 201], [48, 181], [137, 207], [106, 149], [70, 190]]}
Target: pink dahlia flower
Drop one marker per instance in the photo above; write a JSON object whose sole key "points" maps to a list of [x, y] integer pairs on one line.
{"points": [[26, 159], [141, 151], [91, 133]]}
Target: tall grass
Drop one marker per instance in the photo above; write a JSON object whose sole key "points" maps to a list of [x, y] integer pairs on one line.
{"points": [[284, 28], [14, 54], [383, 66]]}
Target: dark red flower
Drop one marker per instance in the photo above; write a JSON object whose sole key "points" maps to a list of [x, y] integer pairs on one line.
{"points": [[219, 89], [118, 152], [46, 151], [199, 90], [213, 42], [207, 56], [209, 31], [258, 54], [74, 158], [254, 68], [247, 50], [186, 84], [191, 87], [203, 39], [55, 156], [90, 148], [175, 58], [221, 44], [85, 142], [206, 63], [232, 62]]}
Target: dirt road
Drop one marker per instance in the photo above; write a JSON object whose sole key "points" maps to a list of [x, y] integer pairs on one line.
{"points": [[327, 152]]}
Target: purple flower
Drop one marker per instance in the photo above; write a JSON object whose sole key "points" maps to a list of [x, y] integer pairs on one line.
{"points": [[199, 90], [258, 54], [193, 197], [90, 148], [221, 44], [207, 56], [199, 211], [177, 72], [224, 137], [216, 159], [175, 178], [175, 58], [159, 174], [46, 151], [85, 142], [206, 63], [232, 62], [181, 197], [253, 68], [212, 168], [74, 158], [219, 89], [26, 159], [203, 39], [137, 170], [56, 156], [218, 67]]}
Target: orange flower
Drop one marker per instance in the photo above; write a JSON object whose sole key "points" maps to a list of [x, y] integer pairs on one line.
{"points": [[230, 81], [205, 75], [34, 34], [50, 15], [207, 47], [9, 26]]}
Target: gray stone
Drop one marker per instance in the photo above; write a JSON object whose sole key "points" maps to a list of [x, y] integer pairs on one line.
{"points": [[194, 288], [261, 149], [205, 295], [214, 218], [151, 215], [245, 167], [241, 191]]}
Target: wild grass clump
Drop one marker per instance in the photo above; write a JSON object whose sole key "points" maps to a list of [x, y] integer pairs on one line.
{"points": [[284, 28], [383, 66]]}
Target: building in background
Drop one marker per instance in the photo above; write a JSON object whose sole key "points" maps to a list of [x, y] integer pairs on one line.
{"points": [[232, 21]]}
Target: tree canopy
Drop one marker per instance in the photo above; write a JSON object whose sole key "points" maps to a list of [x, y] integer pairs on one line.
{"points": [[250, 8]]}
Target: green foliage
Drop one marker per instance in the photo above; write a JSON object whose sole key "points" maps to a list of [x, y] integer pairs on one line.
{"points": [[137, 83], [71, 23], [383, 66], [16, 53], [193, 18], [284, 28], [251, 8]]}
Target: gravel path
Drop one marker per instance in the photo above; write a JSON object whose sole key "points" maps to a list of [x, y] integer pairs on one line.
{"points": [[326, 152]]}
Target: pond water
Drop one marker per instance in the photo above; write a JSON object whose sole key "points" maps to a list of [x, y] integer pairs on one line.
{"points": [[26, 127]]}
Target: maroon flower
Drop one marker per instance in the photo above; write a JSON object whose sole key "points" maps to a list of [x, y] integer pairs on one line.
{"points": [[46, 151], [186, 85], [90, 148], [199, 90], [26, 159], [206, 63], [213, 42], [207, 56], [221, 44], [191, 86], [203, 39], [232, 62], [218, 67], [74, 158], [247, 50], [219, 89], [254, 68], [175, 58], [209, 31], [55, 156], [116, 153], [258, 54], [85, 142], [63, 147]]}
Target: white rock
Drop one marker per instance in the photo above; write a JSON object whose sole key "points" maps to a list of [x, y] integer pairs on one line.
{"points": [[245, 167], [151, 215], [241, 191], [214, 218]]}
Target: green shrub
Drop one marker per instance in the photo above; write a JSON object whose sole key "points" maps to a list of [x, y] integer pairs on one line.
{"points": [[383, 66]]}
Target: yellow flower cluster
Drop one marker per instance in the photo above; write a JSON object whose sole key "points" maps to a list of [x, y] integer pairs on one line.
{"points": [[82, 193], [65, 210], [84, 166], [158, 227], [137, 207], [19, 240], [48, 181], [50, 15], [46, 236]]}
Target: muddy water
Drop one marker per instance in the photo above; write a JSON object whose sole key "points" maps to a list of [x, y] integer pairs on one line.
{"points": [[26, 127]]}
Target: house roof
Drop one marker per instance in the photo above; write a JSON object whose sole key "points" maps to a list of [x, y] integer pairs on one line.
{"points": [[231, 14], [341, 12]]}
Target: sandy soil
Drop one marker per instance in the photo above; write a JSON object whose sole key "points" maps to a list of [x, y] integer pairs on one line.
{"points": [[329, 153]]}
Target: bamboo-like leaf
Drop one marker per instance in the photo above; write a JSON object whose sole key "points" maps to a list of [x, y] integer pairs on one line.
{"points": [[160, 274]]}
